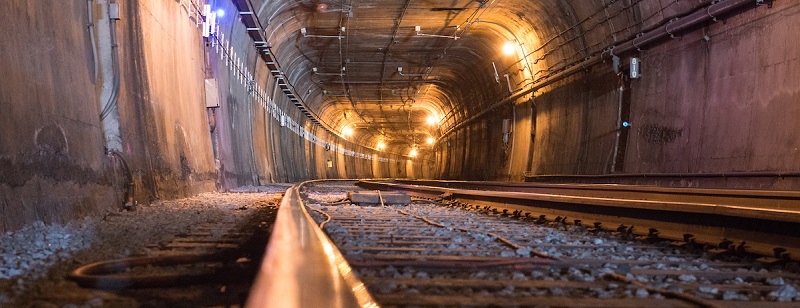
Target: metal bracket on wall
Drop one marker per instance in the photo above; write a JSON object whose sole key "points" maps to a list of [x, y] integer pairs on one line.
{"points": [[666, 27], [762, 2]]}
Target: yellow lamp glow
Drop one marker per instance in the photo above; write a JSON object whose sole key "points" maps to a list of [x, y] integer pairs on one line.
{"points": [[508, 48], [413, 153], [347, 132], [381, 146], [431, 140], [432, 120]]}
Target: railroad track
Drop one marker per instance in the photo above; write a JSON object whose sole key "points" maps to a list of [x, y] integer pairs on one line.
{"points": [[766, 221], [439, 252]]}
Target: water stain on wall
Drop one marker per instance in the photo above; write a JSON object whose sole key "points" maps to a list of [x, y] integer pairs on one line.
{"points": [[659, 134]]}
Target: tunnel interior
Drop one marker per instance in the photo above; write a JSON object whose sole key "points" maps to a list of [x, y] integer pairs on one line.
{"points": [[145, 100]]}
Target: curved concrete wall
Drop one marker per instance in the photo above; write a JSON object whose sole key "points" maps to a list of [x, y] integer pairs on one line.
{"points": [[718, 100], [261, 137], [53, 162], [52, 165], [721, 99]]}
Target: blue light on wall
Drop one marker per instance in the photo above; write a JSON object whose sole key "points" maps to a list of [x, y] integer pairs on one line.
{"points": [[626, 124], [220, 12]]}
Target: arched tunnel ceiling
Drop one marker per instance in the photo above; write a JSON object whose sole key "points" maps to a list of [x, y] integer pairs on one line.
{"points": [[343, 56]]}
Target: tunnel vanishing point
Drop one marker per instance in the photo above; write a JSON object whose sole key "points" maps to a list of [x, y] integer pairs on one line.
{"points": [[114, 102]]}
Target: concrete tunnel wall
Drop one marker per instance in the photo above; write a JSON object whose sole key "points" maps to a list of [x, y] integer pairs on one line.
{"points": [[722, 105], [52, 165], [53, 161], [703, 106], [255, 146]]}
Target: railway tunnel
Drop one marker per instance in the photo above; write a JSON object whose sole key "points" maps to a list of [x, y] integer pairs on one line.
{"points": [[112, 104]]}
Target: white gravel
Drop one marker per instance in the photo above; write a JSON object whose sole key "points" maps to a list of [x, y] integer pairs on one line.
{"points": [[40, 250]]}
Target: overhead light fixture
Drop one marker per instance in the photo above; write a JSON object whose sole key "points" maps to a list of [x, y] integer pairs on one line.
{"points": [[316, 71], [413, 152], [432, 120], [508, 48], [220, 12], [418, 29], [431, 140], [381, 146], [304, 32], [400, 72], [347, 132]]}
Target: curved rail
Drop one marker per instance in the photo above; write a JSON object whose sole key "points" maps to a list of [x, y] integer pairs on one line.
{"points": [[302, 267]]}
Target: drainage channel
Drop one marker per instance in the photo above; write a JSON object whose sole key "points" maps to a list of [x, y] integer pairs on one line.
{"points": [[436, 252]]}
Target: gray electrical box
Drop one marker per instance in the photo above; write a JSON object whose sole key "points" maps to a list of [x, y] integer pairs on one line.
{"points": [[212, 94], [113, 11], [506, 126], [636, 64]]}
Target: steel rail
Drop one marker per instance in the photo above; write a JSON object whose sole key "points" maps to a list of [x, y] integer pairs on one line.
{"points": [[376, 249], [491, 231], [302, 267], [714, 206], [766, 222], [749, 194]]}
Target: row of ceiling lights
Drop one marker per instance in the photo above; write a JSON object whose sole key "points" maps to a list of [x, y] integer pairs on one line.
{"points": [[431, 120], [508, 48]]}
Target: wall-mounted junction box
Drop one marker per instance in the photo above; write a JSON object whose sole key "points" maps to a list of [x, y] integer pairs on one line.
{"points": [[212, 95]]}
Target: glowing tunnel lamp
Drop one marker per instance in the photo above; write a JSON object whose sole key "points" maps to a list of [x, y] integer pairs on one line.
{"points": [[413, 153], [220, 12], [347, 132], [431, 140], [508, 48], [432, 120], [381, 146]]}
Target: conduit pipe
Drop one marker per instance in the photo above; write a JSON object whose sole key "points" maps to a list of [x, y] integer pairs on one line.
{"points": [[677, 25], [249, 89], [130, 188], [621, 91], [91, 36], [112, 23]]}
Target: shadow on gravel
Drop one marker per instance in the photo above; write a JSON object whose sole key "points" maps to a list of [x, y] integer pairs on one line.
{"points": [[229, 286]]}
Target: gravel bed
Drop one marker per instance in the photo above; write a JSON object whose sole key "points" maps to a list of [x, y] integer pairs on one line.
{"points": [[605, 246], [35, 259]]}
